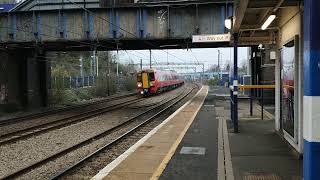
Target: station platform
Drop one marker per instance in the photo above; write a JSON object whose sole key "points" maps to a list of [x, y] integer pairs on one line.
{"points": [[195, 143]]}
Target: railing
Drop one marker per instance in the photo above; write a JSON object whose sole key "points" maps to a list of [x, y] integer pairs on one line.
{"points": [[234, 111], [261, 88]]}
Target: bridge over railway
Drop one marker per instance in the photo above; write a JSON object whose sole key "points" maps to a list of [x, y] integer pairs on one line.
{"points": [[282, 35], [65, 25], [33, 28]]}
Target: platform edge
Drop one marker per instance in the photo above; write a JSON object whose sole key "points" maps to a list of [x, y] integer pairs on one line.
{"points": [[165, 161], [106, 170]]}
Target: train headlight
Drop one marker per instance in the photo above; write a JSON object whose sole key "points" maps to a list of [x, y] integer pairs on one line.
{"points": [[139, 84]]}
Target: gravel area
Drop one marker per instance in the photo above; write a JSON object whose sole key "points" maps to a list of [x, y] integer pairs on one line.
{"points": [[65, 161], [91, 167], [42, 120], [5, 116], [22, 153]]}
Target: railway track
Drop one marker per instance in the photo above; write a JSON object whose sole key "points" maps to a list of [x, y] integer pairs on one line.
{"points": [[166, 105], [123, 136], [56, 124], [59, 110]]}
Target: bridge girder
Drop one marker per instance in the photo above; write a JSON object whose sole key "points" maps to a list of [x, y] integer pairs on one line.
{"points": [[160, 27]]}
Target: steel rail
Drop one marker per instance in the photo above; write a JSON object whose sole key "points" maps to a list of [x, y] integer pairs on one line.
{"points": [[42, 128], [62, 173], [64, 109], [83, 143]]}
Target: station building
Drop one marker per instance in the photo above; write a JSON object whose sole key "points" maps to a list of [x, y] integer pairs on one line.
{"points": [[288, 57], [278, 60]]}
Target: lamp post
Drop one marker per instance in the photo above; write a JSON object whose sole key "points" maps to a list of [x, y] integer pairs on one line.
{"points": [[234, 92]]}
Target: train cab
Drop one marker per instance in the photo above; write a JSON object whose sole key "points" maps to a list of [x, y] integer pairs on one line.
{"points": [[146, 82], [151, 81]]}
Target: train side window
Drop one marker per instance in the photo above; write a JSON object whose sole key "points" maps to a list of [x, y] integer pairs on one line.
{"points": [[151, 76], [139, 77]]}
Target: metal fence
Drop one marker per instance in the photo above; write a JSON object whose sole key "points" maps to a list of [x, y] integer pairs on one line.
{"points": [[72, 82], [120, 82]]}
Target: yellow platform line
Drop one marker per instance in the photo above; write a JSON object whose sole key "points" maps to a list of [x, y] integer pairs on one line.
{"points": [[167, 158]]}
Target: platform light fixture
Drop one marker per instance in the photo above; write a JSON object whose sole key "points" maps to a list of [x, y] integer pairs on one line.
{"points": [[228, 22], [268, 21]]}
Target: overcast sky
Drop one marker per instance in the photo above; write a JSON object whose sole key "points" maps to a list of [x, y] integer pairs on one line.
{"points": [[209, 56]]}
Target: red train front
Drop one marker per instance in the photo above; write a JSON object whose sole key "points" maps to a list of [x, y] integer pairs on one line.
{"points": [[151, 81]]}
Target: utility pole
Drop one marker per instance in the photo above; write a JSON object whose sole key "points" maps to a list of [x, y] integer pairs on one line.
{"points": [[97, 70], [117, 67], [108, 75], [202, 73], [218, 64], [150, 59], [167, 58], [94, 64], [140, 64], [81, 69], [91, 66], [81, 65]]}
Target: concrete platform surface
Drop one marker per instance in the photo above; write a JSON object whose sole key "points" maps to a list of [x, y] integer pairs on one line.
{"points": [[194, 143], [148, 157], [258, 152], [200, 162]]}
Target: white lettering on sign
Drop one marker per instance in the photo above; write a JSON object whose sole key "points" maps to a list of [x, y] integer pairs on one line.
{"points": [[211, 38]]}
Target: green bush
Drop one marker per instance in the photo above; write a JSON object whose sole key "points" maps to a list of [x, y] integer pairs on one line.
{"points": [[70, 97], [130, 83], [101, 87], [83, 93], [61, 95], [56, 96]]}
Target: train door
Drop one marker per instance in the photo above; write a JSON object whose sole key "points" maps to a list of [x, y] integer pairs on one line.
{"points": [[152, 78], [145, 80]]}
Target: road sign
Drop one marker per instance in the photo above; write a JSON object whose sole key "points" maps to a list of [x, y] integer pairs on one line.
{"points": [[211, 38]]}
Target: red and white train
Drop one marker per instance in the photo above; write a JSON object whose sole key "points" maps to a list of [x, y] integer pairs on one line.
{"points": [[151, 81]]}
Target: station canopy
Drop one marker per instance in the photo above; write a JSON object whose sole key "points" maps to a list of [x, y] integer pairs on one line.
{"points": [[250, 15]]}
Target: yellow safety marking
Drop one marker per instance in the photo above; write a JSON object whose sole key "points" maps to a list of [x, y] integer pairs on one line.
{"points": [[255, 87], [145, 80], [167, 158]]}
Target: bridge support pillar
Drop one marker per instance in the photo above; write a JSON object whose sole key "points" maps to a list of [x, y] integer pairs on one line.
{"points": [[24, 78], [38, 78], [311, 113]]}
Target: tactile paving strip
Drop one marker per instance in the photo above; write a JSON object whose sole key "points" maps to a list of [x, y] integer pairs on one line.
{"points": [[262, 177]]}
